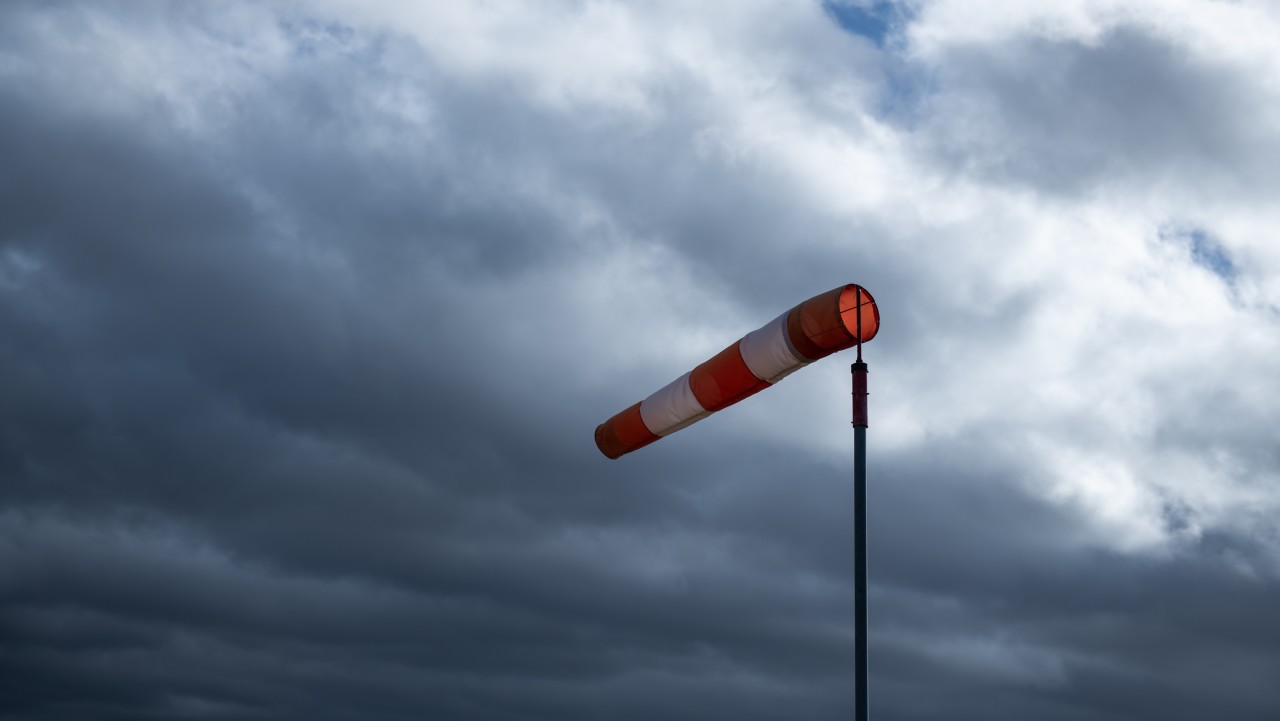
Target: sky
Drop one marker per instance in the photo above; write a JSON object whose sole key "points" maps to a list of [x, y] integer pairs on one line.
{"points": [[308, 313]]}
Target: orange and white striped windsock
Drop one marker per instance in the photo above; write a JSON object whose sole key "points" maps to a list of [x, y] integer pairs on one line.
{"points": [[815, 329]]}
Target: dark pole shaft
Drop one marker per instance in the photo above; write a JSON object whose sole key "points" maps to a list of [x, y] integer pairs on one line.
{"points": [[859, 371]]}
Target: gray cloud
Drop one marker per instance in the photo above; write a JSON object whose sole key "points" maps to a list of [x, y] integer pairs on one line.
{"points": [[1073, 116], [308, 318]]}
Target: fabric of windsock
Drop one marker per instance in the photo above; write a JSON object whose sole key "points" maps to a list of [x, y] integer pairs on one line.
{"points": [[814, 329]]}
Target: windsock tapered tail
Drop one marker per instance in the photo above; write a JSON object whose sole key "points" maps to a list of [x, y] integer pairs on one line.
{"points": [[815, 329]]}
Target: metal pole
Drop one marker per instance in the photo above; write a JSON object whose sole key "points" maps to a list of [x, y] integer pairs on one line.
{"points": [[859, 371]]}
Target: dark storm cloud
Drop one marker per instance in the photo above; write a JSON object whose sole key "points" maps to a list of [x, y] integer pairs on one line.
{"points": [[242, 479], [275, 439]]}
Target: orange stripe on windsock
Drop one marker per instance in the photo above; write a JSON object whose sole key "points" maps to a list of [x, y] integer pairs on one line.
{"points": [[828, 323], [724, 380], [624, 433]]}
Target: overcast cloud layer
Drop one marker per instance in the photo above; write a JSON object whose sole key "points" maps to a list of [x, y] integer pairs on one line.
{"points": [[308, 312]]}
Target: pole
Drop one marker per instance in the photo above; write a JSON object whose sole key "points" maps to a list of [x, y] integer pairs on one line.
{"points": [[859, 372]]}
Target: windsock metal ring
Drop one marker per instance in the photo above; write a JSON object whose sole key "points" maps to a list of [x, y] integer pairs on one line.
{"points": [[812, 330]]}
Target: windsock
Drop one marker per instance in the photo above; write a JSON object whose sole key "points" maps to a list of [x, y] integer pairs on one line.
{"points": [[818, 327]]}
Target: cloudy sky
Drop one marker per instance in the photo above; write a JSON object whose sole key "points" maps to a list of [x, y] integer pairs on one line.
{"points": [[308, 312]]}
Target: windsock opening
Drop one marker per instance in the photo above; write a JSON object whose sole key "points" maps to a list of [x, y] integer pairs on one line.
{"points": [[849, 308], [828, 323]]}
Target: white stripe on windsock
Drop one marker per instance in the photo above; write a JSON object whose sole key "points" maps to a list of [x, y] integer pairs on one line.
{"points": [[672, 407], [767, 351]]}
